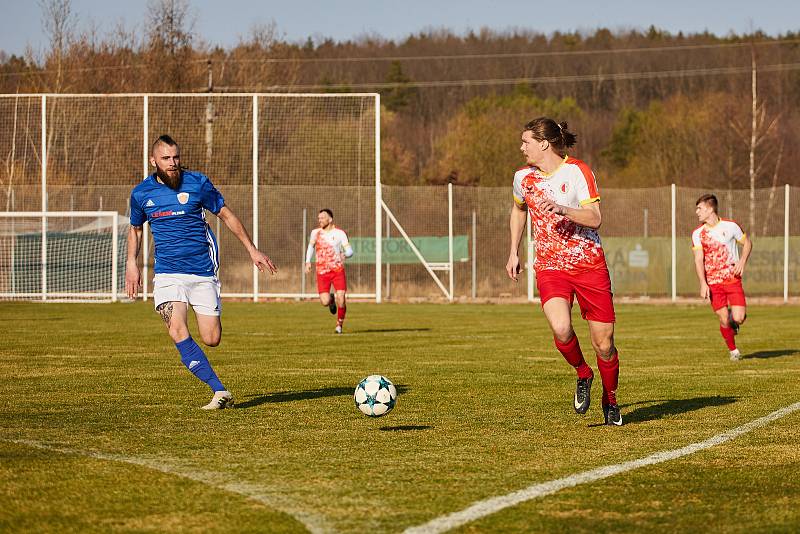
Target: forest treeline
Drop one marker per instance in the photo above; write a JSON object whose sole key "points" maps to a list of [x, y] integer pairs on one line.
{"points": [[649, 107]]}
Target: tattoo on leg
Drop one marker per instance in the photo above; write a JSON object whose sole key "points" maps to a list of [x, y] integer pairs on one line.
{"points": [[165, 310], [609, 354]]}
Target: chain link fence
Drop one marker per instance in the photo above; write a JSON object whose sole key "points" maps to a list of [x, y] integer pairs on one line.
{"points": [[319, 151]]}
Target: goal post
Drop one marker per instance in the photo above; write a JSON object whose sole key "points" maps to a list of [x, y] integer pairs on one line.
{"points": [[62, 256]]}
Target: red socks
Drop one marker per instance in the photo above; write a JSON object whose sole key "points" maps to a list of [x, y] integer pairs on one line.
{"points": [[609, 369], [340, 313], [727, 335], [571, 350], [609, 372]]}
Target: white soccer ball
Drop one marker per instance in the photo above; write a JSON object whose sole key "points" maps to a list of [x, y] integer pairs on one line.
{"points": [[375, 396]]}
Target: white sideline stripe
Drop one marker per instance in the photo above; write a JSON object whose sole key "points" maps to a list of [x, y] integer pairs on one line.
{"points": [[268, 496], [489, 506]]}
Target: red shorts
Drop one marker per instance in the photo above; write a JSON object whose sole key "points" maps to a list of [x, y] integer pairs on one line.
{"points": [[727, 294], [337, 278], [593, 289]]}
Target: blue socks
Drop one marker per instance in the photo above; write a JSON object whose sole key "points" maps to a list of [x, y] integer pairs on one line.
{"points": [[195, 360]]}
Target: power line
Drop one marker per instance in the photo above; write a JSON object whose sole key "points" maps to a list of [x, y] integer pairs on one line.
{"points": [[512, 55], [76, 69], [506, 55], [616, 76]]}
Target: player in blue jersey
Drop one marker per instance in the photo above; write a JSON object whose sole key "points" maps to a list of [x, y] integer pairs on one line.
{"points": [[173, 201]]}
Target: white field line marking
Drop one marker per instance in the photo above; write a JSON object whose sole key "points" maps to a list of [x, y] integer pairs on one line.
{"points": [[268, 496], [489, 506]]}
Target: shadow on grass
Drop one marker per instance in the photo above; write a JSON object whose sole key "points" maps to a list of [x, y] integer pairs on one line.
{"points": [[771, 353], [672, 407], [403, 428], [308, 394], [389, 330]]}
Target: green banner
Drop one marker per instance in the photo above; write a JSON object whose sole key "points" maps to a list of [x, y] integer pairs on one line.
{"points": [[397, 250], [642, 266]]}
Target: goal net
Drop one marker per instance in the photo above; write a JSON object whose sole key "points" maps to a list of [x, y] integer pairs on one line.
{"points": [[62, 256], [276, 158]]}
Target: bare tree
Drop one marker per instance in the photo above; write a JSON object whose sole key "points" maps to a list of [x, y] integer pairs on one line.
{"points": [[170, 32], [10, 161], [170, 25], [759, 132], [753, 141], [773, 188], [58, 23]]}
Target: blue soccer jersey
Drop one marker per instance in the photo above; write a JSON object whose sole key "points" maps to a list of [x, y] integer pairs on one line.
{"points": [[183, 240]]}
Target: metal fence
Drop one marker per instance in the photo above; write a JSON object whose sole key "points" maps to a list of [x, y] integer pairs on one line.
{"points": [[315, 151], [275, 157], [646, 240]]}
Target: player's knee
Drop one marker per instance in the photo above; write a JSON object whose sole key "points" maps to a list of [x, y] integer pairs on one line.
{"points": [[212, 340], [603, 345], [340, 301], [738, 316], [563, 332], [178, 332], [604, 349]]}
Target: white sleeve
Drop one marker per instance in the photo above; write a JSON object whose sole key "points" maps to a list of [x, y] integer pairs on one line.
{"points": [[696, 245], [519, 194], [348, 250], [738, 233], [311, 242], [585, 185]]}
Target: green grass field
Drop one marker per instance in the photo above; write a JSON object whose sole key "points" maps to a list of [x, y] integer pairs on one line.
{"points": [[101, 429]]}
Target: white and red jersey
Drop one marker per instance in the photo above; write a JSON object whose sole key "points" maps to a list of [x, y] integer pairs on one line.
{"points": [[329, 247], [561, 244], [718, 244]]}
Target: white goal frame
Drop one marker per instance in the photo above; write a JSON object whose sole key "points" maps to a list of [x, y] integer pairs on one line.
{"points": [[44, 294], [432, 267]]}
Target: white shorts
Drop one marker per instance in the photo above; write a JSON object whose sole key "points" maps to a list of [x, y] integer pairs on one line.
{"points": [[201, 292]]}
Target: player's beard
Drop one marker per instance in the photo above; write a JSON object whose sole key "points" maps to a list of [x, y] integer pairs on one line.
{"points": [[174, 181]]}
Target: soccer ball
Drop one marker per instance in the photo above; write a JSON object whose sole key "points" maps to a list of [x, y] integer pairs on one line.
{"points": [[375, 396]]}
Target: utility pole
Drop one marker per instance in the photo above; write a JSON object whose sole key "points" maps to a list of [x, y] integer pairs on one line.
{"points": [[210, 115]]}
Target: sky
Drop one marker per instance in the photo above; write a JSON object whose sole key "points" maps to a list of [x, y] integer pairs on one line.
{"points": [[224, 22]]}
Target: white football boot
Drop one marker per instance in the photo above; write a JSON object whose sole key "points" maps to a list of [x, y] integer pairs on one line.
{"points": [[736, 355], [220, 401]]}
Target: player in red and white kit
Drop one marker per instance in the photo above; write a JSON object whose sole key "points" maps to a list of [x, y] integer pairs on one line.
{"points": [[561, 196], [719, 268], [332, 247]]}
